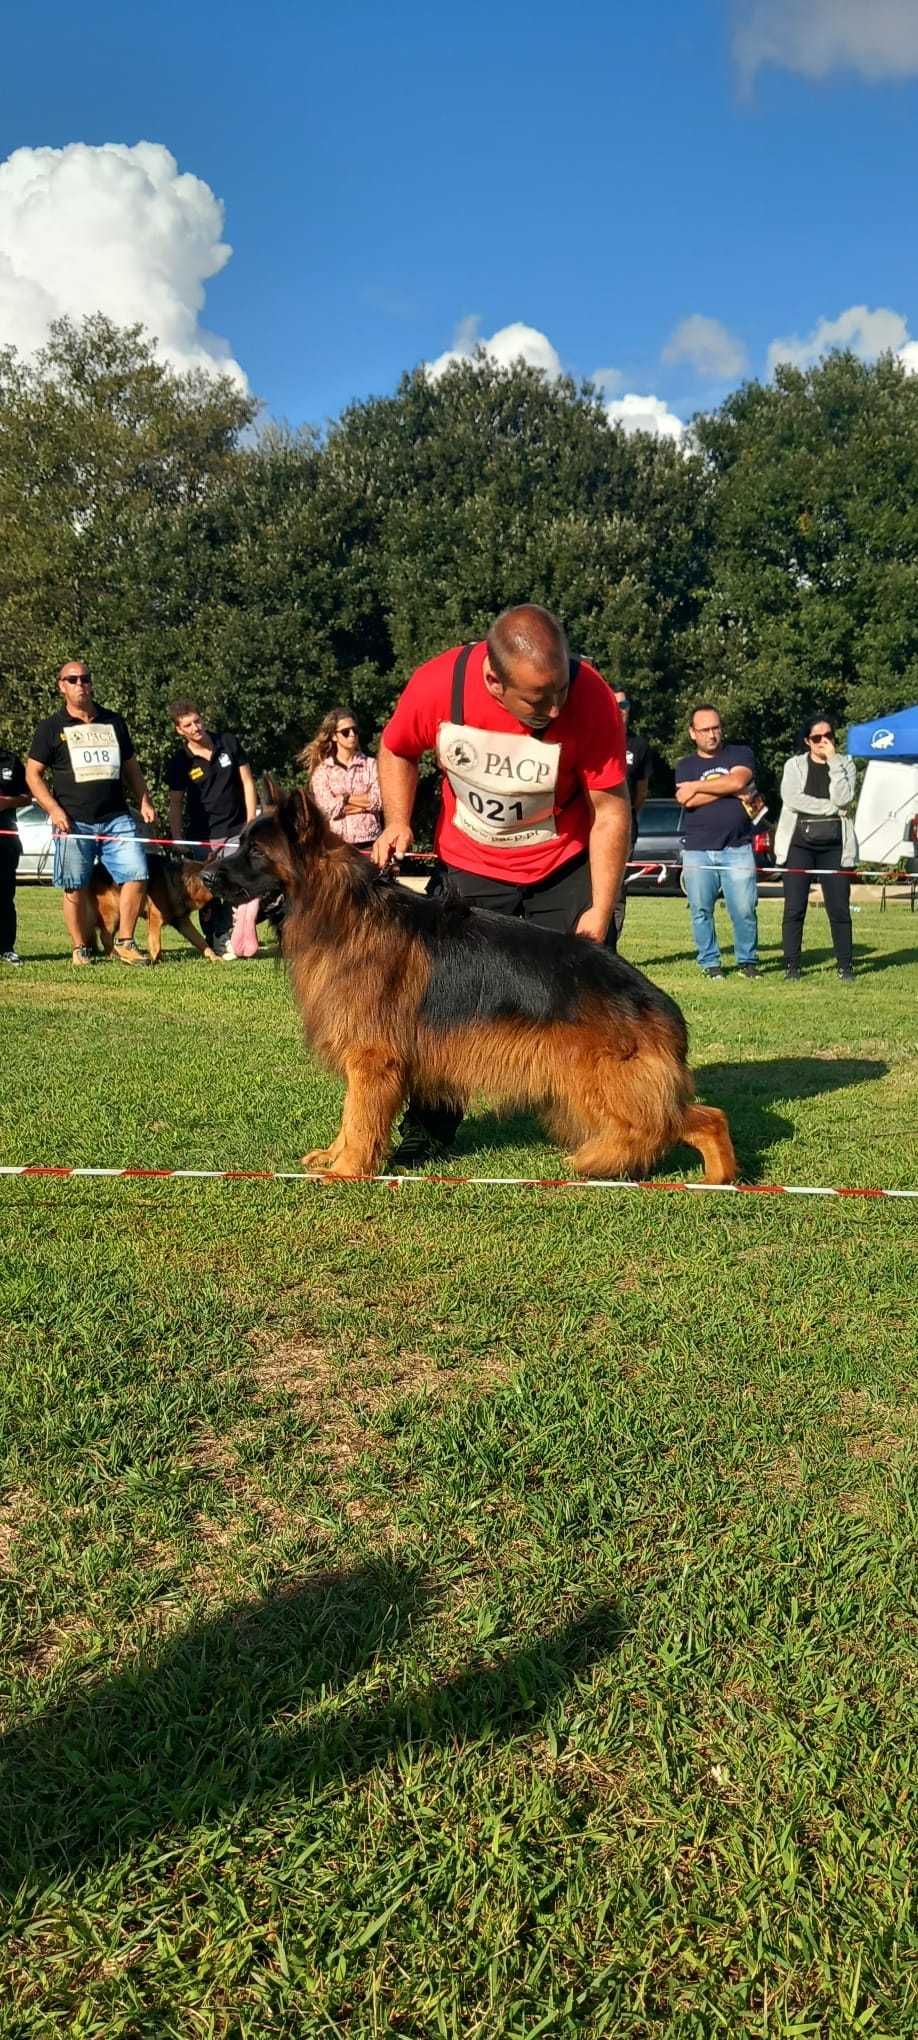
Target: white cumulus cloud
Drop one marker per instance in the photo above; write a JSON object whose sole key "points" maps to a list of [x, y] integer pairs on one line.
{"points": [[117, 229], [511, 343], [707, 346], [609, 381], [876, 38], [645, 414], [867, 333], [525, 343]]}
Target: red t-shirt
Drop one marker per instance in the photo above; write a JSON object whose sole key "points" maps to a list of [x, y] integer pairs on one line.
{"points": [[589, 733]]}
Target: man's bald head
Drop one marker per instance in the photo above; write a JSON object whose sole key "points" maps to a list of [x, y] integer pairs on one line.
{"points": [[527, 668], [531, 635]]}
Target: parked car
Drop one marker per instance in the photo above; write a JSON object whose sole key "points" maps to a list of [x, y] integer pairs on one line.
{"points": [[37, 841], [658, 849]]}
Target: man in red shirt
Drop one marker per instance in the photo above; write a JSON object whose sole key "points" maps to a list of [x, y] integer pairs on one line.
{"points": [[535, 817]]}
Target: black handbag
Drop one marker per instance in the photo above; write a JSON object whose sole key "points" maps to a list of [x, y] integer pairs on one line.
{"points": [[822, 832]]}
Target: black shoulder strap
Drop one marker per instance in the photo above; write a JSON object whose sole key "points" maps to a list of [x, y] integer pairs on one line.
{"points": [[457, 704]]}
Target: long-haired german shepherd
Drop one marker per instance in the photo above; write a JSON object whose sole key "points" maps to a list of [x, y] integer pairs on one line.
{"points": [[401, 993]]}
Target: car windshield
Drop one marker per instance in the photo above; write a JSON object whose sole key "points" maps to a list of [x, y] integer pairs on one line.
{"points": [[660, 818]]}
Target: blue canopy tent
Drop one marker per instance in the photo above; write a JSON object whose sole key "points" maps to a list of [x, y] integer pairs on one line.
{"points": [[891, 736], [888, 804]]}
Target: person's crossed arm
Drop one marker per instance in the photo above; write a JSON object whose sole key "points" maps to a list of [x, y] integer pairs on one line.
{"points": [[700, 793]]}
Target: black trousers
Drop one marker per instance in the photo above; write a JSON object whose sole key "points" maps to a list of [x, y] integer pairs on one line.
{"points": [[835, 891], [556, 902], [9, 859]]}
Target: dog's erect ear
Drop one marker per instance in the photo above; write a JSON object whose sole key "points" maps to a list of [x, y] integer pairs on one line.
{"points": [[273, 792], [309, 825]]}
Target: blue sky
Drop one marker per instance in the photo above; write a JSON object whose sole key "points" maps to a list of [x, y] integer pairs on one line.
{"points": [[601, 174]]}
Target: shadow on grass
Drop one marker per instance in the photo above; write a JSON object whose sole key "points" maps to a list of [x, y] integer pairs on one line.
{"points": [[750, 1092], [212, 1725]]}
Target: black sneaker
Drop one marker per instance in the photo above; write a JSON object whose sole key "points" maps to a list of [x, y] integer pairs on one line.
{"points": [[417, 1149], [847, 977], [750, 970], [792, 972], [716, 972]]}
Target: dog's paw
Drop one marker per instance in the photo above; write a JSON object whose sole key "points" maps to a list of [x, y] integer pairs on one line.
{"points": [[318, 1158]]}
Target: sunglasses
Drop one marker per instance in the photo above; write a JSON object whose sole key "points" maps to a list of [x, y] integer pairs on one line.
{"points": [[346, 729], [819, 736], [77, 679], [623, 701]]}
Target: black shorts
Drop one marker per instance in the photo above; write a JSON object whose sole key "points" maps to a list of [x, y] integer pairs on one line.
{"points": [[555, 902]]}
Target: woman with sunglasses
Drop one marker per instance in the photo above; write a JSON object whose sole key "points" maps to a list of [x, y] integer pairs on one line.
{"points": [[814, 832], [343, 781]]}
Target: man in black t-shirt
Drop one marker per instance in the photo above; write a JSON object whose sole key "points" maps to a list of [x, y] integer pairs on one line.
{"points": [[87, 751], [637, 760], [13, 795], [211, 797], [714, 785]]}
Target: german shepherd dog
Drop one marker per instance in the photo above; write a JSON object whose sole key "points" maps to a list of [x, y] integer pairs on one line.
{"points": [[405, 994], [173, 888]]}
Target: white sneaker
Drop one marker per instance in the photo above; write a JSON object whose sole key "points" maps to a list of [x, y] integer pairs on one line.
{"points": [[229, 956], [9, 956]]}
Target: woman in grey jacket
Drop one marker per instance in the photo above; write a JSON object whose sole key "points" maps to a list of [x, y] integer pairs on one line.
{"points": [[817, 789]]}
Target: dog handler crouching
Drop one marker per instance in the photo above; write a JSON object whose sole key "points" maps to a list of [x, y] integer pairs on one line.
{"points": [[535, 819], [90, 757]]}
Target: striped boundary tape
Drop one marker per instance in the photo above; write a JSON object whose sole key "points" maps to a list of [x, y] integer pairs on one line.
{"points": [[68, 1170], [635, 864]]}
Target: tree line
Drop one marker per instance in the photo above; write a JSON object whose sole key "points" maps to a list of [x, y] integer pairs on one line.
{"points": [[149, 526]]}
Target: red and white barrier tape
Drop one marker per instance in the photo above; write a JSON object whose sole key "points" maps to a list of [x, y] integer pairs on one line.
{"points": [[68, 1170], [637, 864]]}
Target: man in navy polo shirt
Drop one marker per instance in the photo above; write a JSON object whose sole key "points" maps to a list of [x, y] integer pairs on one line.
{"points": [[712, 785]]}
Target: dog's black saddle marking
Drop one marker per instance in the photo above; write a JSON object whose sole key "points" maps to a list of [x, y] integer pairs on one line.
{"points": [[487, 966]]}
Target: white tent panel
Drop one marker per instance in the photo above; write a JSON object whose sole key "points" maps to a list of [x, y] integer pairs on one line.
{"points": [[888, 800]]}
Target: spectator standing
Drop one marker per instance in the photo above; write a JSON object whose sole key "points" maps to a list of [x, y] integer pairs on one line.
{"points": [[814, 831], [88, 752], [535, 819], [13, 794], [343, 781], [211, 797], [714, 785], [637, 760]]}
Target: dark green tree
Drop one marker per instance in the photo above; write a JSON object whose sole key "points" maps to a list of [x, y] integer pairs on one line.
{"points": [[814, 565]]}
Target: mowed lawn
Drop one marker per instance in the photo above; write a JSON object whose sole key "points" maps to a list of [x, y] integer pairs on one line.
{"points": [[456, 1611]]}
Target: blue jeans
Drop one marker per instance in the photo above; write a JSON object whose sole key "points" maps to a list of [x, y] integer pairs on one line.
{"points": [[730, 875], [76, 855]]}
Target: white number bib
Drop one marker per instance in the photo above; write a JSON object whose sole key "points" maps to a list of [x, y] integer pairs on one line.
{"points": [[504, 785], [95, 752]]}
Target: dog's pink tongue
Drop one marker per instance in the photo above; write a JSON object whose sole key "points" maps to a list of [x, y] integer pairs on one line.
{"points": [[244, 940]]}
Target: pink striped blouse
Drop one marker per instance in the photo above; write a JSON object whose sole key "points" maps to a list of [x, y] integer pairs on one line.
{"points": [[332, 784]]}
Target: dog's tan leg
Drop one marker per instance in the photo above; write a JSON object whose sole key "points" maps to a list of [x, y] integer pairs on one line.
{"points": [[186, 927], [105, 904], [154, 932], [708, 1130], [375, 1092]]}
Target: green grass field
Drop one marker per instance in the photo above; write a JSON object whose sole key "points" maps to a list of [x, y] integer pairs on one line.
{"points": [[455, 1612]]}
